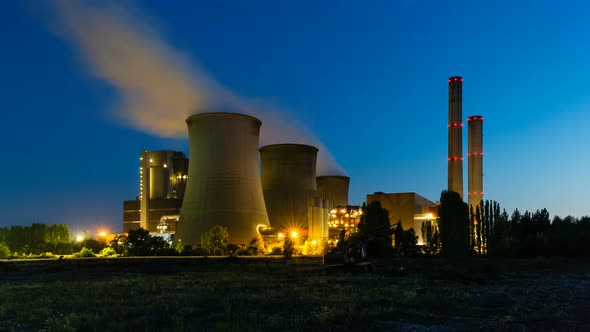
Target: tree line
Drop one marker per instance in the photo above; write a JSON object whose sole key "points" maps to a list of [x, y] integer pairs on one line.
{"points": [[37, 238], [488, 230], [483, 230]]}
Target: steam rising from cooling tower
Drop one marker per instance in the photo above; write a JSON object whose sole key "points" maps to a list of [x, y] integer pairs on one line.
{"points": [[158, 86], [223, 186], [455, 158]]}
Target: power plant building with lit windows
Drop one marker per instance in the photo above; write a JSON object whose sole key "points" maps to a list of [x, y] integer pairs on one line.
{"points": [[162, 181]]}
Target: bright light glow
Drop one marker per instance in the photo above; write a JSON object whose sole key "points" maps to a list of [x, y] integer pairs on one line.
{"points": [[429, 215], [343, 211], [79, 238], [165, 166], [102, 234], [281, 235], [314, 242], [151, 160], [293, 234]]}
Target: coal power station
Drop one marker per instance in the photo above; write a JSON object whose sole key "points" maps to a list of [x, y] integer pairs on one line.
{"points": [[274, 190]]}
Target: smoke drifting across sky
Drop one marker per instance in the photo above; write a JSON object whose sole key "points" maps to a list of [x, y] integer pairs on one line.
{"points": [[158, 86]]}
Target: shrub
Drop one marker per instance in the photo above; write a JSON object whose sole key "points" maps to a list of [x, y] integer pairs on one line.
{"points": [[4, 250], [85, 252], [288, 248], [314, 248], [107, 252]]}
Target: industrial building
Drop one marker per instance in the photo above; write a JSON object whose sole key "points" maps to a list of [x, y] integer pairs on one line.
{"points": [[409, 208], [344, 218], [162, 181]]}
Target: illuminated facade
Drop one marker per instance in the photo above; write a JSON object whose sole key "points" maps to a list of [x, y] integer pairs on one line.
{"points": [[162, 182], [344, 218]]}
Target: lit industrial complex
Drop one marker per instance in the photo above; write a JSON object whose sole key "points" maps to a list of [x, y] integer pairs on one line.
{"points": [[162, 181], [232, 182]]}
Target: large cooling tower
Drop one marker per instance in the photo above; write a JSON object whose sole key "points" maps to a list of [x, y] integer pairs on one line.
{"points": [[288, 183], [334, 188], [475, 160], [455, 135], [223, 186]]}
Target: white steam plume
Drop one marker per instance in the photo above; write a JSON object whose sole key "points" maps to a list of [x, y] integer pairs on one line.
{"points": [[158, 86]]}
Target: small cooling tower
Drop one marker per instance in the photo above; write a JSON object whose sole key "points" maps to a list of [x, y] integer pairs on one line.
{"points": [[334, 188], [223, 186], [288, 183]]}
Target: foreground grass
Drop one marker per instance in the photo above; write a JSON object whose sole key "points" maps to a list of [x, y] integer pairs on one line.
{"points": [[223, 295]]}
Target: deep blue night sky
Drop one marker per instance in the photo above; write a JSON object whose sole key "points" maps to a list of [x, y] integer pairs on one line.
{"points": [[369, 80]]}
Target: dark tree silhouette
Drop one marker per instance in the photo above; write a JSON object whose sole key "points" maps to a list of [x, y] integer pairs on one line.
{"points": [[453, 222], [374, 226]]}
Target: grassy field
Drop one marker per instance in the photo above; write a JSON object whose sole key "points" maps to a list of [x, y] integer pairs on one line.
{"points": [[250, 294]]}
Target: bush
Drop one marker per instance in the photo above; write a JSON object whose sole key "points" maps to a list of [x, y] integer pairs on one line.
{"points": [[314, 248], [107, 252], [4, 250], [216, 241], [288, 248], [85, 252]]}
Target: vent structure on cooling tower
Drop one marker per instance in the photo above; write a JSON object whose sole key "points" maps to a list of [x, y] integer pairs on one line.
{"points": [[223, 185]]}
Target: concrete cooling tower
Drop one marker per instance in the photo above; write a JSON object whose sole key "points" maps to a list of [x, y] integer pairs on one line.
{"points": [[334, 188], [223, 186], [288, 183]]}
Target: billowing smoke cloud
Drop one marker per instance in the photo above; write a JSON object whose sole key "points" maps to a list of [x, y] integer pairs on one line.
{"points": [[158, 86]]}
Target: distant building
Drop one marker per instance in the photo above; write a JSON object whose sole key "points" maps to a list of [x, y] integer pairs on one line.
{"points": [[162, 182], [409, 208]]}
